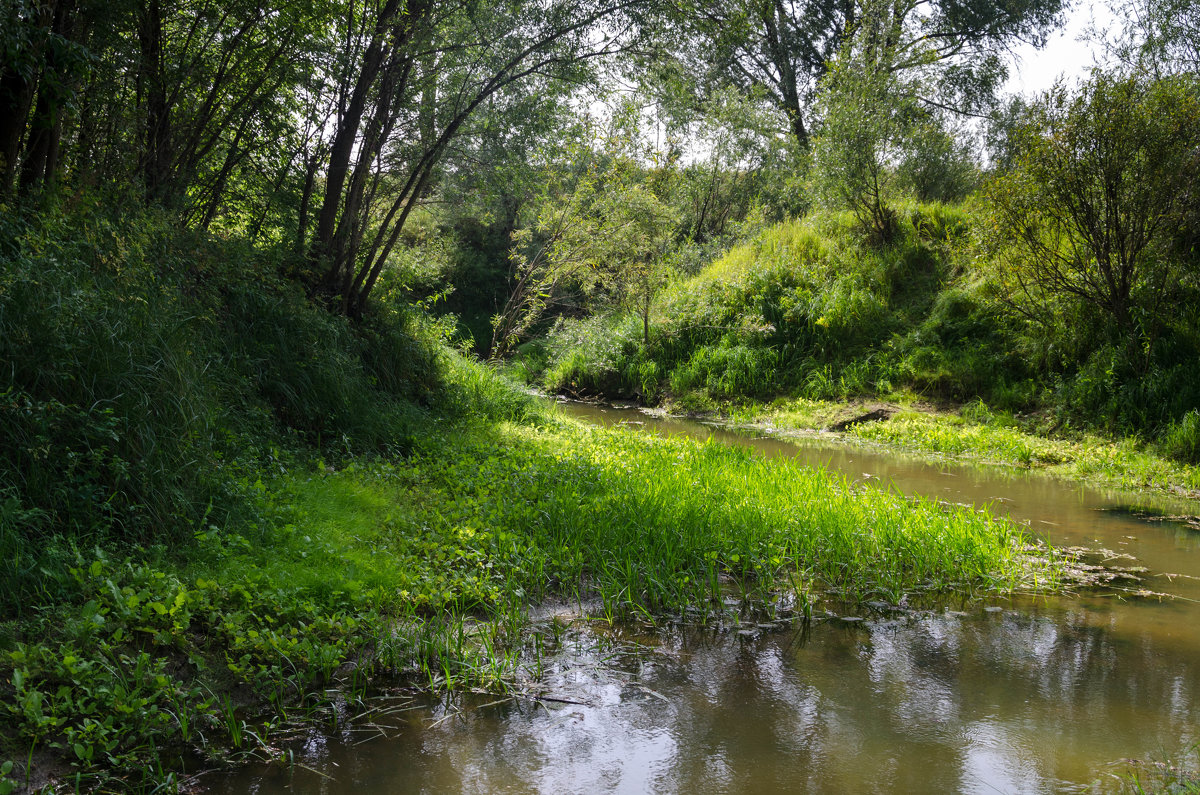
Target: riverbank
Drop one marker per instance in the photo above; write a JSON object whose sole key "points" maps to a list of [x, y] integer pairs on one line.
{"points": [[970, 433], [803, 319], [424, 568]]}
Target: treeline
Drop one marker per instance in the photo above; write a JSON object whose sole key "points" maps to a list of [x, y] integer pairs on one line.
{"points": [[322, 126], [314, 126]]}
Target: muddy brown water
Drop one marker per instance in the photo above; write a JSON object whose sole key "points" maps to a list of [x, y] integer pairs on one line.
{"points": [[1024, 695]]}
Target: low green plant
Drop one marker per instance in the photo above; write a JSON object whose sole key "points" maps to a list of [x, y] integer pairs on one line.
{"points": [[1174, 775]]}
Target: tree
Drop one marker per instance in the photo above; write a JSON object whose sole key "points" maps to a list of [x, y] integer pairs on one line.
{"points": [[605, 239], [1100, 206], [724, 155], [783, 48], [875, 132], [864, 112], [1161, 37], [42, 59], [939, 161], [415, 75]]}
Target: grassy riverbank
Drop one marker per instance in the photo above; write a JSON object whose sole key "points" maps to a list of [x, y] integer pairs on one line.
{"points": [[369, 567], [799, 325], [974, 433]]}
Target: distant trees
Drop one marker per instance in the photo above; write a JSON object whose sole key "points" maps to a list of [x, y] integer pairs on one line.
{"points": [[865, 110], [878, 130], [781, 49], [1101, 204], [603, 237]]}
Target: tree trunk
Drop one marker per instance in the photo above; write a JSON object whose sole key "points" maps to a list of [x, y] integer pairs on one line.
{"points": [[45, 127], [16, 97], [310, 178], [156, 146], [347, 132]]}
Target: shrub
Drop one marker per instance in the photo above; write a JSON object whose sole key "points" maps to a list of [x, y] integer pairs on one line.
{"points": [[587, 355], [1181, 439], [148, 369], [728, 371]]}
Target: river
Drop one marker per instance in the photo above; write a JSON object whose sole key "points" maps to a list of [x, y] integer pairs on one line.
{"points": [[1021, 695]]}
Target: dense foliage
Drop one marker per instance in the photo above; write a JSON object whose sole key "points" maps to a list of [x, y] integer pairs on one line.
{"points": [[247, 254]]}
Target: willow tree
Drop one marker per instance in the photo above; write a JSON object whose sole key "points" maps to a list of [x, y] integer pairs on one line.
{"points": [[1100, 206], [783, 48]]}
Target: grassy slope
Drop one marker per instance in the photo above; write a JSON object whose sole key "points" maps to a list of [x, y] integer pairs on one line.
{"points": [[792, 328]]}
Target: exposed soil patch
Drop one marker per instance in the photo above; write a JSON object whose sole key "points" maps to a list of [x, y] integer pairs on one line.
{"points": [[867, 412]]}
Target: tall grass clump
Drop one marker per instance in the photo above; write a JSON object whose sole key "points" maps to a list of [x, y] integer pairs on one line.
{"points": [[110, 401], [331, 382], [649, 524], [475, 390], [1181, 439], [587, 356], [965, 348], [667, 513]]}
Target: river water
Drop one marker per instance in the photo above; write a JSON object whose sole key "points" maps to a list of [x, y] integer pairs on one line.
{"points": [[1023, 695]]}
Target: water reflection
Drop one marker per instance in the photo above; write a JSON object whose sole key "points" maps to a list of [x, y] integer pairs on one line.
{"points": [[1032, 700], [1044, 695]]}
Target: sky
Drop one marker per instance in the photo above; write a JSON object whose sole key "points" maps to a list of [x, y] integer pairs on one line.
{"points": [[1064, 55]]}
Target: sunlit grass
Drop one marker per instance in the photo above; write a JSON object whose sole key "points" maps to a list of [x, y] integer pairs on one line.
{"points": [[644, 523], [1125, 463]]}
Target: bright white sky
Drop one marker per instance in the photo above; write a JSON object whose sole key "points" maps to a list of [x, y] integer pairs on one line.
{"points": [[1064, 55]]}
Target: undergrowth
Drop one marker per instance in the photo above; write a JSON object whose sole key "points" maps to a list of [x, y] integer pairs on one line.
{"points": [[224, 511]]}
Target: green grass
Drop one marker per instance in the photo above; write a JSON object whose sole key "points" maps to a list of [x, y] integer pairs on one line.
{"points": [[426, 566], [978, 435], [518, 512], [1176, 775]]}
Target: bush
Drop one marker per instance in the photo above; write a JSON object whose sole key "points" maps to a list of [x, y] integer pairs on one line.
{"points": [[1181, 440], [1132, 392], [589, 356], [728, 371], [1100, 200], [112, 396], [328, 380], [147, 371]]}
